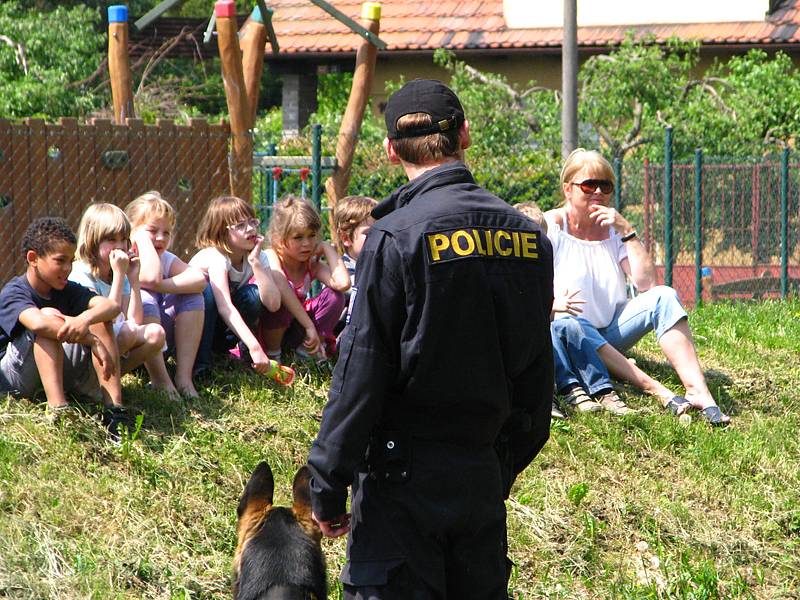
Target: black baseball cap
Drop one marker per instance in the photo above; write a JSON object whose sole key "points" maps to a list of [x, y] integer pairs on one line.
{"points": [[427, 96]]}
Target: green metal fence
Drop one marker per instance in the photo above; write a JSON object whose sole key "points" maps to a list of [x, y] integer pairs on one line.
{"points": [[718, 228]]}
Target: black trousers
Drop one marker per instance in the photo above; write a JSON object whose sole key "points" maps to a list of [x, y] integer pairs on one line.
{"points": [[438, 533]]}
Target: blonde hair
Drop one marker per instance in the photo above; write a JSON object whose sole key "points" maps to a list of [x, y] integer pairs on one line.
{"points": [[350, 212], [100, 222], [149, 205], [580, 158], [291, 214], [222, 212], [425, 149], [531, 210]]}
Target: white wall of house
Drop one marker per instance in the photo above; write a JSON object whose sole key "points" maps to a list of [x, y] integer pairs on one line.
{"points": [[549, 13]]}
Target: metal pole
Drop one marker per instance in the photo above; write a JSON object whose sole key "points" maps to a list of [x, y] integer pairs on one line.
{"points": [[784, 223], [618, 186], [698, 227], [569, 79], [668, 206], [316, 166]]}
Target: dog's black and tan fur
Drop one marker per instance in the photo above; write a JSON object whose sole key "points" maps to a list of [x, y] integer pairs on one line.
{"points": [[278, 556]]}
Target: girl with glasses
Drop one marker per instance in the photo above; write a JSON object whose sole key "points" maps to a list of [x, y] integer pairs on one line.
{"points": [[240, 285], [595, 248]]}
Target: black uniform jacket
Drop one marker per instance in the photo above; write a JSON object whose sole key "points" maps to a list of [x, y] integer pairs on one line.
{"points": [[448, 333]]}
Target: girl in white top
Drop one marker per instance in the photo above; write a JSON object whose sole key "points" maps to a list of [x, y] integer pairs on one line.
{"points": [[105, 267], [231, 257], [594, 249]]}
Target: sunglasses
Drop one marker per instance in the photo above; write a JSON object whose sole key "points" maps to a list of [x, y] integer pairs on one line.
{"points": [[588, 186], [244, 226]]}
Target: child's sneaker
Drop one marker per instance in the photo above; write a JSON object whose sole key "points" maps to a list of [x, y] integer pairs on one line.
{"points": [[578, 399], [555, 412], [113, 418], [61, 414], [612, 403]]}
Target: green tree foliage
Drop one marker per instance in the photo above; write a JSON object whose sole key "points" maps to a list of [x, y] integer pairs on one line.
{"points": [[746, 107], [45, 58], [627, 96]]}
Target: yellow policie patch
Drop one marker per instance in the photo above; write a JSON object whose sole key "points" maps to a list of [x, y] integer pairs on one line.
{"points": [[474, 242]]}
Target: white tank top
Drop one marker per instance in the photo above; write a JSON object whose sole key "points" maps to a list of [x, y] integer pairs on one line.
{"points": [[593, 267]]}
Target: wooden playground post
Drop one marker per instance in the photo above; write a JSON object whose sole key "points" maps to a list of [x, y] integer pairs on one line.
{"points": [[336, 185], [119, 64], [241, 163], [252, 43]]}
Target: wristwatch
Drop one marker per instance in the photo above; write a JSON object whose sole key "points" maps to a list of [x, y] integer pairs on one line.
{"points": [[628, 237]]}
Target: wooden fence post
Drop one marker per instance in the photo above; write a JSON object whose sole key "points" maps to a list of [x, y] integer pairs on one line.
{"points": [[118, 63], [337, 184], [241, 163], [252, 43]]}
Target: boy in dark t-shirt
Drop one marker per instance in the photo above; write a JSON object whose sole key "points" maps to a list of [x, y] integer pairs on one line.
{"points": [[53, 331]]}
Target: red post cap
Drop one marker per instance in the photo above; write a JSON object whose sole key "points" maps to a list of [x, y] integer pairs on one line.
{"points": [[225, 8]]}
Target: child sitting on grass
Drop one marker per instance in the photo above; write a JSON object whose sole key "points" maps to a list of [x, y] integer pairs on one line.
{"points": [[105, 267], [351, 221], [299, 257], [171, 292], [56, 335], [230, 257]]}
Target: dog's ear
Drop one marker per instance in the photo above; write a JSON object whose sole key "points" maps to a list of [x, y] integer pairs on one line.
{"points": [[301, 492], [259, 489]]}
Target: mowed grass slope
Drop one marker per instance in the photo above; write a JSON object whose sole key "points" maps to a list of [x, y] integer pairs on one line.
{"points": [[634, 507]]}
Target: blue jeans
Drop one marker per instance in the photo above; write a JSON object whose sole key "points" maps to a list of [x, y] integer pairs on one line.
{"points": [[216, 335], [658, 309], [576, 358], [577, 361]]}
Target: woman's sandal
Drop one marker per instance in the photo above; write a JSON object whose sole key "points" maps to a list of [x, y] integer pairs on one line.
{"points": [[714, 416], [678, 405], [280, 373]]}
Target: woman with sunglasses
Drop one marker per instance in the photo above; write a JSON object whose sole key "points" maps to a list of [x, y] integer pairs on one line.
{"points": [[594, 249]]}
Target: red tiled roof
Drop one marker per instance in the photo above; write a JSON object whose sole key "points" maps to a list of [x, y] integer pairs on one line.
{"points": [[301, 27], [424, 25]]}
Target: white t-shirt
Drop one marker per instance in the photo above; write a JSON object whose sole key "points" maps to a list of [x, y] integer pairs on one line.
{"points": [[209, 257], [82, 274], [593, 267]]}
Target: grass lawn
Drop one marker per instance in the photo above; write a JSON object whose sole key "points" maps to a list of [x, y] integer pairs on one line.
{"points": [[633, 507]]}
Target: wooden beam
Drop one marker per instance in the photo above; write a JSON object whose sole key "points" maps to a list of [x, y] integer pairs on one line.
{"points": [[119, 66], [352, 25]]}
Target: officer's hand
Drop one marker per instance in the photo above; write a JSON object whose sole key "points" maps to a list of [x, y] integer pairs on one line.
{"points": [[335, 527]]}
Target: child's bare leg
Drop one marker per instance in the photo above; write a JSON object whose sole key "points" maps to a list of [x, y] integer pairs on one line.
{"points": [[49, 357], [621, 368], [188, 331], [111, 386], [157, 369], [140, 342], [273, 338]]}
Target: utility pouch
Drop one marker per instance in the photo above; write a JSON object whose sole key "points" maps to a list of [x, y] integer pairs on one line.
{"points": [[389, 457]]}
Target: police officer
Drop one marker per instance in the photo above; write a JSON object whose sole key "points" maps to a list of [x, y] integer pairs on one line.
{"points": [[441, 394]]}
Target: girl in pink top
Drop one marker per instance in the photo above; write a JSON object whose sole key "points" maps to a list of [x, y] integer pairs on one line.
{"points": [[299, 257]]}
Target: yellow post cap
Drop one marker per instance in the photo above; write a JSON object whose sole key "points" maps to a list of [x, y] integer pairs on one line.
{"points": [[371, 11]]}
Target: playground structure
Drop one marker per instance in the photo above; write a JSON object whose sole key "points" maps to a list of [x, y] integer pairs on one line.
{"points": [[58, 169]]}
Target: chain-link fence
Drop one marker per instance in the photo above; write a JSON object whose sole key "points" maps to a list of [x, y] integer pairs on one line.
{"points": [[58, 169], [732, 228]]}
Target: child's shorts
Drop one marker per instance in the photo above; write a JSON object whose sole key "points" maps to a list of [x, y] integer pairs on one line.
{"points": [[167, 307], [20, 376]]}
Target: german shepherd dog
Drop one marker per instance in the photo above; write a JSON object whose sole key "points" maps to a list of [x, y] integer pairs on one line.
{"points": [[278, 556]]}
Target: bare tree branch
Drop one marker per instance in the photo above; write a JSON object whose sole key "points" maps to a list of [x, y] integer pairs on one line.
{"points": [[159, 54], [19, 50], [517, 99]]}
